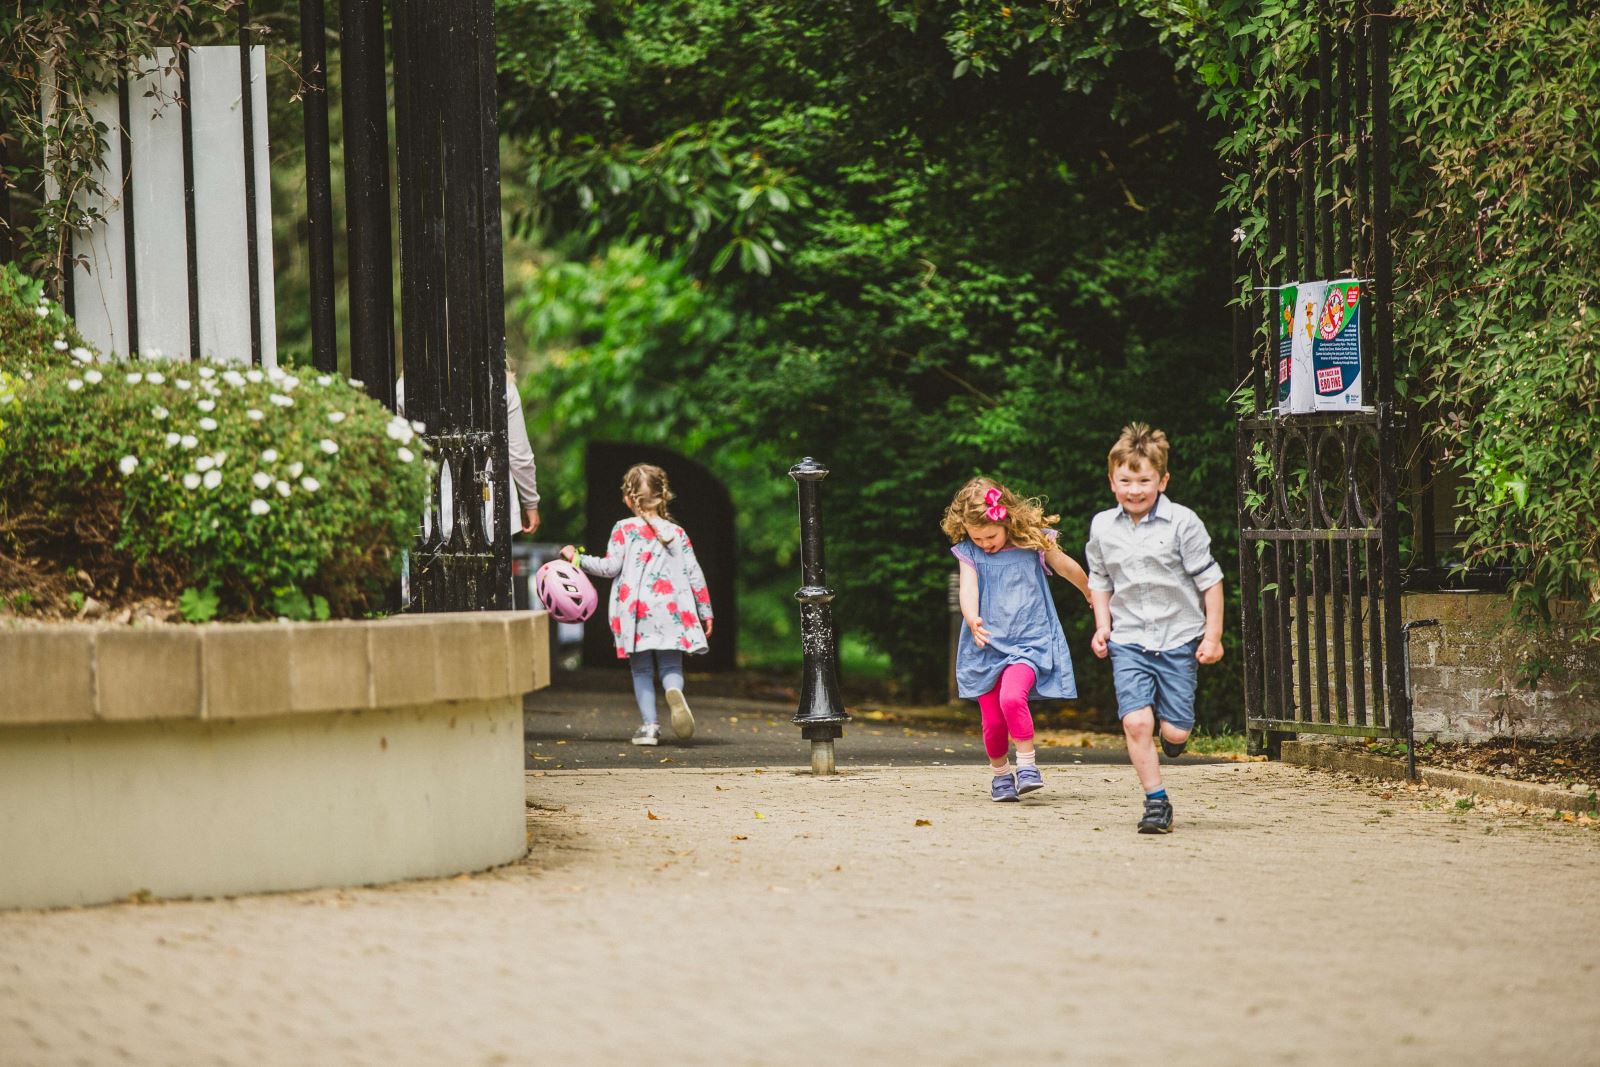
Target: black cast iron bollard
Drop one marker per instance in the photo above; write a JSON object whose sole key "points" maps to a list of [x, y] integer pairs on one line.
{"points": [[1411, 723], [821, 717]]}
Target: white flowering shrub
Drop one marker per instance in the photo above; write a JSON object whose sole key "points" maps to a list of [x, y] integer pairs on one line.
{"points": [[260, 493]]}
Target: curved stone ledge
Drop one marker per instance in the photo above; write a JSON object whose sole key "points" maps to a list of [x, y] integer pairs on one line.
{"points": [[203, 761], [85, 673]]}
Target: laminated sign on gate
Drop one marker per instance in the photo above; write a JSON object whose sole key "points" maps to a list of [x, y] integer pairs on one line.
{"points": [[1301, 304], [1336, 348]]}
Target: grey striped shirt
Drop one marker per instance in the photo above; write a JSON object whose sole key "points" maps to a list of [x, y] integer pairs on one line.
{"points": [[1155, 573]]}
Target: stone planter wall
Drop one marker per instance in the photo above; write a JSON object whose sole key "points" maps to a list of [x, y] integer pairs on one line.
{"points": [[214, 760]]}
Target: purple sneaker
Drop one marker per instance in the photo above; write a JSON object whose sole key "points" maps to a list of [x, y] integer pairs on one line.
{"points": [[1003, 788], [1029, 779]]}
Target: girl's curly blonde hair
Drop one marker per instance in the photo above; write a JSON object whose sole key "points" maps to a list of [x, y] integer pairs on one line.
{"points": [[645, 488], [1025, 520]]}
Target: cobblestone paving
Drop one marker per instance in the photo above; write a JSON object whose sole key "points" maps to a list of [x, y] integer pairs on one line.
{"points": [[888, 916]]}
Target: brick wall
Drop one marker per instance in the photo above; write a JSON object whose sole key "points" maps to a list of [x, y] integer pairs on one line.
{"points": [[1465, 674]]}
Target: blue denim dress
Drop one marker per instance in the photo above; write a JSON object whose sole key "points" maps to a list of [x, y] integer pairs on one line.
{"points": [[1014, 603]]}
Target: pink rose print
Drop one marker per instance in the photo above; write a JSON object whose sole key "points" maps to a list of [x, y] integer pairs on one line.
{"points": [[663, 585], [646, 556], [702, 596], [640, 609], [616, 537], [686, 642], [648, 532], [672, 607], [622, 593], [688, 620], [616, 626]]}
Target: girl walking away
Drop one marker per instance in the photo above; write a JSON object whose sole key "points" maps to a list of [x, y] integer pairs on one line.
{"points": [[660, 607], [1011, 647]]}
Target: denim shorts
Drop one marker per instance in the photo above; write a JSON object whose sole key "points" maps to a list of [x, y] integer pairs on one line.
{"points": [[1162, 680]]}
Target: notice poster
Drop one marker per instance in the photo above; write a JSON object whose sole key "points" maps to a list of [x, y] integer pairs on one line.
{"points": [[1286, 308], [1336, 348], [1307, 307]]}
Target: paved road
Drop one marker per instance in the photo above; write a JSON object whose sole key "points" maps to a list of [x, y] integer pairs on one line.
{"points": [[586, 724], [885, 917]]}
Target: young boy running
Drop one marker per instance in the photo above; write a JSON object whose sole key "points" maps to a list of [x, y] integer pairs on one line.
{"points": [[1157, 597]]}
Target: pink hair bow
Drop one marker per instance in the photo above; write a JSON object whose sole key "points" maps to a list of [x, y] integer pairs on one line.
{"points": [[996, 511]]}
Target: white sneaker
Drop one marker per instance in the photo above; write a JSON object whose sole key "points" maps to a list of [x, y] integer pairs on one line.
{"points": [[682, 717], [648, 734]]}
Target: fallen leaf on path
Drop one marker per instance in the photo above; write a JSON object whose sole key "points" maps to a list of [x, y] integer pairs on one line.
{"points": [[651, 815], [668, 759], [760, 816], [740, 837], [924, 822]]}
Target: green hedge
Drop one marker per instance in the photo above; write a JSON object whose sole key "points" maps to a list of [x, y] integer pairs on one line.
{"points": [[253, 493]]}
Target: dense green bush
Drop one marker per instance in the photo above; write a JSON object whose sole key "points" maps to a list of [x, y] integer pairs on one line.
{"points": [[260, 493]]}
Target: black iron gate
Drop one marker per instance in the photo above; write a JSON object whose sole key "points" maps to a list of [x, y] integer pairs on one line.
{"points": [[1318, 493]]}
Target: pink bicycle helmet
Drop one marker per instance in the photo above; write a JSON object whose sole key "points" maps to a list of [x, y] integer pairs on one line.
{"points": [[565, 591]]}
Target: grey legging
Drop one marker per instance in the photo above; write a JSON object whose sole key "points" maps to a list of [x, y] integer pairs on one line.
{"points": [[646, 665]]}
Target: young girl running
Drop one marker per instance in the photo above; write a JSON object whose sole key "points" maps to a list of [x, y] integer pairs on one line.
{"points": [[1012, 646], [660, 607]]}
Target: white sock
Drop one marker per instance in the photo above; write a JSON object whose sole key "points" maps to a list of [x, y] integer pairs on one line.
{"points": [[1004, 768], [1025, 759]]}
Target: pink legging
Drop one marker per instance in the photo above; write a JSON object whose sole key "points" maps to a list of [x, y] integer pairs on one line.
{"points": [[1005, 710]]}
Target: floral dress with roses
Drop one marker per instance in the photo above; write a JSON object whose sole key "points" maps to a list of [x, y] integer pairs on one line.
{"points": [[659, 598]]}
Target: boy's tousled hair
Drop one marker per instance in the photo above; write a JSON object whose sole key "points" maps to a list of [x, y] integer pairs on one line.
{"points": [[1139, 446], [645, 488], [1025, 520]]}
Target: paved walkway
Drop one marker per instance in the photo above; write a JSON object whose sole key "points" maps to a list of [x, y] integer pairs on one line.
{"points": [[887, 916]]}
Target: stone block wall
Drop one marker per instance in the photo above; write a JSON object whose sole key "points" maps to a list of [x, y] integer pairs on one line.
{"points": [[1466, 678]]}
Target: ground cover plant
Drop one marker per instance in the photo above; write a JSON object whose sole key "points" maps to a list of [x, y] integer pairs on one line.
{"points": [[235, 491]]}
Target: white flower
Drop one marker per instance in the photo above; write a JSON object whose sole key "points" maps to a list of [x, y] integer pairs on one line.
{"points": [[282, 488], [207, 372], [358, 383], [206, 405], [92, 376], [259, 507], [181, 383], [281, 400], [310, 484], [191, 481], [172, 439], [208, 424], [324, 379], [254, 376], [128, 464], [60, 344], [290, 384], [295, 468], [253, 414], [188, 440], [260, 480], [82, 355], [204, 463], [213, 478], [155, 377], [135, 378], [399, 429], [42, 311], [159, 412], [233, 378], [405, 455], [1238, 234], [219, 458], [270, 456], [73, 385], [328, 446], [275, 373], [418, 427]]}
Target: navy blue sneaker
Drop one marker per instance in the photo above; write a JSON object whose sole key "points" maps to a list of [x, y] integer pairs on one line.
{"points": [[1157, 816], [1003, 788], [1029, 779]]}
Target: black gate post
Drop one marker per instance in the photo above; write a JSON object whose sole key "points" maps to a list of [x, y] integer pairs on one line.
{"points": [[319, 193], [366, 192]]}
